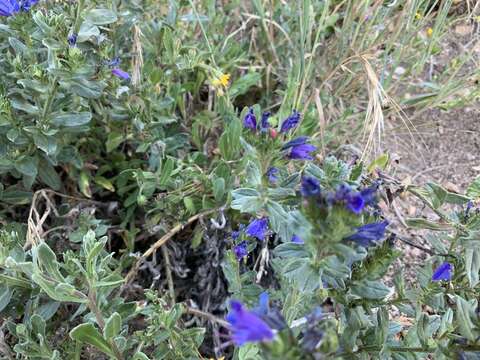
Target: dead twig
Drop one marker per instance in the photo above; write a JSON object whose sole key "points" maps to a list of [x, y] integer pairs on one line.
{"points": [[153, 248], [208, 316]]}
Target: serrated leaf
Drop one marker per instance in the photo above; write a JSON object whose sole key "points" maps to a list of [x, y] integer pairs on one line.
{"points": [[88, 334]]}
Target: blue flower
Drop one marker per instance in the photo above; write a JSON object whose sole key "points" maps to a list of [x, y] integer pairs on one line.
{"points": [[9, 7], [297, 239], [264, 124], [290, 122], [258, 228], [272, 175], [113, 63], [27, 4], [369, 195], [247, 326], [301, 140], [72, 39], [355, 203], [367, 234], [302, 152], [443, 272], [240, 250], [235, 235], [310, 186], [120, 73], [250, 121]]}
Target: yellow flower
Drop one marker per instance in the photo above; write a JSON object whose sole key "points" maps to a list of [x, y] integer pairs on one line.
{"points": [[429, 32], [223, 80], [418, 16]]}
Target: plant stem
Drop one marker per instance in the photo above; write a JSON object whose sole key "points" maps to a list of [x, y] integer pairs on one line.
{"points": [[92, 305], [51, 96]]}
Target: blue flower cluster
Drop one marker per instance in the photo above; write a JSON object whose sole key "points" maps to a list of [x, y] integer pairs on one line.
{"points": [[11, 7], [250, 121]]}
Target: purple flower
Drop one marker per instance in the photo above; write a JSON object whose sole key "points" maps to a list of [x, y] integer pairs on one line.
{"points": [[443, 272], [120, 73], [310, 186], [246, 326], [72, 39], [302, 152], [290, 122], [264, 125], [240, 250], [235, 235], [367, 234], [27, 4], [258, 228], [369, 195], [355, 203], [113, 63], [295, 142], [272, 175], [297, 239], [250, 121], [9, 7]]}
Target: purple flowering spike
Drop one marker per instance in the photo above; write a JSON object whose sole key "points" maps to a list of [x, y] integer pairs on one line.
{"points": [[9, 7], [290, 122], [264, 124], [302, 152], [343, 192], [240, 250], [295, 142], [355, 203], [310, 186], [297, 239], [272, 175], [443, 272], [246, 326], [366, 235], [250, 121], [120, 74], [258, 228]]}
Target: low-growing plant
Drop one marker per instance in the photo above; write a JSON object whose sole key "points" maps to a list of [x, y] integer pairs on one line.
{"points": [[172, 192]]}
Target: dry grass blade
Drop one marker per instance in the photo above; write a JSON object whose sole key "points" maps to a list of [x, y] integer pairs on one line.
{"points": [[137, 58]]}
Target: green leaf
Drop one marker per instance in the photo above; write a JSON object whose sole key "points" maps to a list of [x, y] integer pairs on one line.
{"points": [[243, 84], [72, 119], [372, 290], [229, 142], [140, 356], [87, 30], [113, 140], [246, 200], [420, 223], [48, 175], [47, 260], [87, 333], [112, 326], [5, 296], [218, 189], [464, 313], [27, 165], [101, 16], [473, 191], [472, 265]]}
